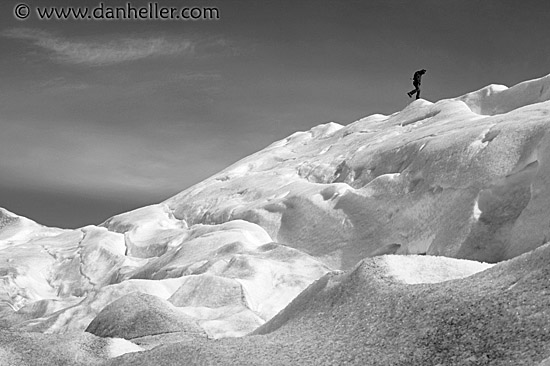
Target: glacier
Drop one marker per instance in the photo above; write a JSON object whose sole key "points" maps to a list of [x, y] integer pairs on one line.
{"points": [[422, 232]]}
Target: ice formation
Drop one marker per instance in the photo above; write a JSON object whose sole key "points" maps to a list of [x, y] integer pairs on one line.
{"points": [[423, 206]]}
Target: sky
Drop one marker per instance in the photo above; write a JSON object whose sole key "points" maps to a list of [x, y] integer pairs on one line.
{"points": [[98, 117]]}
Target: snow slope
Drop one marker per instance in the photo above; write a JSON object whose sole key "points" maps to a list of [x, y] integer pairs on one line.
{"points": [[448, 186], [464, 177], [368, 317]]}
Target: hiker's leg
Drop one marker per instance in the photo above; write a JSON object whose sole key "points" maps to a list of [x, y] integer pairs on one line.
{"points": [[417, 92]]}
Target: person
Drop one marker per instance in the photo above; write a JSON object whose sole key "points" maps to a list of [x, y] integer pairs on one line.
{"points": [[417, 80]]}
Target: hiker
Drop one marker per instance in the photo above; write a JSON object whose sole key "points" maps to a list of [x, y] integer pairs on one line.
{"points": [[417, 78]]}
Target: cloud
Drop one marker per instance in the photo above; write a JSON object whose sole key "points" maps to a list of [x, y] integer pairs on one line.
{"points": [[61, 84], [99, 52], [197, 76]]}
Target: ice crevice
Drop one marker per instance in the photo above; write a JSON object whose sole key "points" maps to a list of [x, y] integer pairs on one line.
{"points": [[82, 264]]}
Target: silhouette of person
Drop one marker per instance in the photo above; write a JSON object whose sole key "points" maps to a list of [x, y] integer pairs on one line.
{"points": [[417, 80]]}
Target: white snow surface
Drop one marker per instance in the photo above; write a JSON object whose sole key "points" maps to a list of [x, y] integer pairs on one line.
{"points": [[230, 277], [428, 269], [464, 177], [438, 189]]}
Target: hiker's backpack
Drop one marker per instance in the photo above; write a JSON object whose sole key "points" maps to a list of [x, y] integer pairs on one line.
{"points": [[416, 78]]}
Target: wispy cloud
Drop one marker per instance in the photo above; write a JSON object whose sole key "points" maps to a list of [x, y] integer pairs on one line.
{"points": [[100, 52], [60, 84], [198, 76]]}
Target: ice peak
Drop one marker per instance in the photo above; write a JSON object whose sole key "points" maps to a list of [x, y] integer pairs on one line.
{"points": [[498, 99]]}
